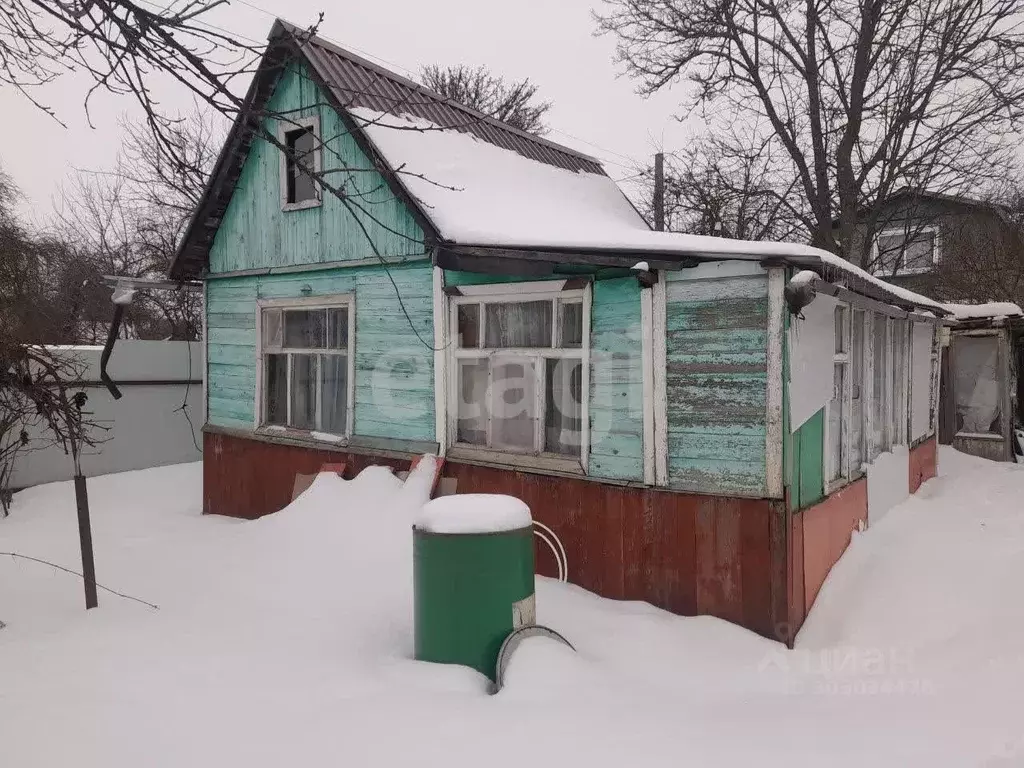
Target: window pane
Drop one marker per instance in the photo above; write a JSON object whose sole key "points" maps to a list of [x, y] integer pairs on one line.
{"points": [[836, 436], [333, 393], [469, 325], [920, 252], [472, 405], [305, 329], [524, 324], [301, 144], [880, 390], [978, 380], [899, 380], [840, 329], [272, 329], [514, 405], [857, 413], [570, 324], [303, 391], [563, 397], [337, 328], [890, 249], [276, 390]]}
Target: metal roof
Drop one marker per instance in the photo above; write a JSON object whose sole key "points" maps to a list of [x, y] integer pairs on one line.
{"points": [[356, 82]]}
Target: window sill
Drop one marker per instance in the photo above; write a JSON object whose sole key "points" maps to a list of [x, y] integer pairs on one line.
{"points": [[979, 436], [887, 274], [302, 435], [315, 203], [544, 463], [369, 446]]}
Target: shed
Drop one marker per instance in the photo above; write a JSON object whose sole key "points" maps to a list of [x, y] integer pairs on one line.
{"points": [[983, 393], [698, 419]]}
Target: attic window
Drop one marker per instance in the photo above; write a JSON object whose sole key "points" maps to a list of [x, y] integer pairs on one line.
{"points": [[300, 160]]}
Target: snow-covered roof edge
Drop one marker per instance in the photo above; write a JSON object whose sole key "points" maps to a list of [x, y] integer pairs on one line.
{"points": [[992, 310]]}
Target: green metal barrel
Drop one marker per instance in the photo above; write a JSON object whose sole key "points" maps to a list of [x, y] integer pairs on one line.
{"points": [[470, 591]]}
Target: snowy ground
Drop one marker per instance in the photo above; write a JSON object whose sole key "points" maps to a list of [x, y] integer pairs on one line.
{"points": [[286, 642]]}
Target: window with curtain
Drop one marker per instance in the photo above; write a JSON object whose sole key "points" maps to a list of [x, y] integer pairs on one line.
{"points": [[519, 365], [305, 354], [978, 383]]}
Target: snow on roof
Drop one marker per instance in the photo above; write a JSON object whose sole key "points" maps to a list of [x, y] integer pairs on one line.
{"points": [[836, 264], [477, 193], [992, 309]]}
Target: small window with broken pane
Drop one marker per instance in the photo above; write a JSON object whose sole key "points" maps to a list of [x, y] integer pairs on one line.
{"points": [[300, 161], [519, 368], [305, 361]]}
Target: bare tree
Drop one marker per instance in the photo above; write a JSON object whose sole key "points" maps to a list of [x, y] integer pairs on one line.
{"points": [[718, 187], [129, 221], [513, 102], [37, 391], [863, 97], [126, 47]]}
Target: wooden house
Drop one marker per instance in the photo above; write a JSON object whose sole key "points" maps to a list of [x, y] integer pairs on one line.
{"points": [[702, 421]]}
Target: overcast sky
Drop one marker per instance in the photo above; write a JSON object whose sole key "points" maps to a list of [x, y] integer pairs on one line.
{"points": [[549, 41]]}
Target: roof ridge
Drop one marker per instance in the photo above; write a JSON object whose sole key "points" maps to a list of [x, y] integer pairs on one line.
{"points": [[362, 61]]}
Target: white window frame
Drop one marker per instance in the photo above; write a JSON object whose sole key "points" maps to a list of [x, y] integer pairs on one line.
{"points": [[856, 470], [842, 472], [896, 420], [498, 293], [305, 303], [901, 380], [1001, 362], [904, 232], [284, 127]]}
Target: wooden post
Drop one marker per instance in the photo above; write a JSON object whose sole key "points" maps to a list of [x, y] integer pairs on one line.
{"points": [[659, 191], [85, 539]]}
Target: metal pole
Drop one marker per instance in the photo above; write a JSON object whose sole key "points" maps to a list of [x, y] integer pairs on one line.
{"points": [[659, 191], [85, 539]]}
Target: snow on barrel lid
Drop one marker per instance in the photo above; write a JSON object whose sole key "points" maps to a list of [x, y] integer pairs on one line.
{"points": [[474, 513]]}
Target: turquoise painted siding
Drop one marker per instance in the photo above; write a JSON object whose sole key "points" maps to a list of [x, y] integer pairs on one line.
{"points": [[716, 345], [394, 380], [256, 233], [616, 374], [616, 381]]}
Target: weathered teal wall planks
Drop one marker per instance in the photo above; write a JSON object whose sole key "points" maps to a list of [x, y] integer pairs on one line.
{"points": [[394, 387], [256, 233], [716, 345], [616, 381]]}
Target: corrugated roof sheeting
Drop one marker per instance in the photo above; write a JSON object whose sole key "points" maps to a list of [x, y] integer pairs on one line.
{"points": [[355, 82]]}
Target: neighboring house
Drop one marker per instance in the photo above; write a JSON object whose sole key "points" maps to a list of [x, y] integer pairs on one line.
{"points": [[491, 296], [948, 247]]}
